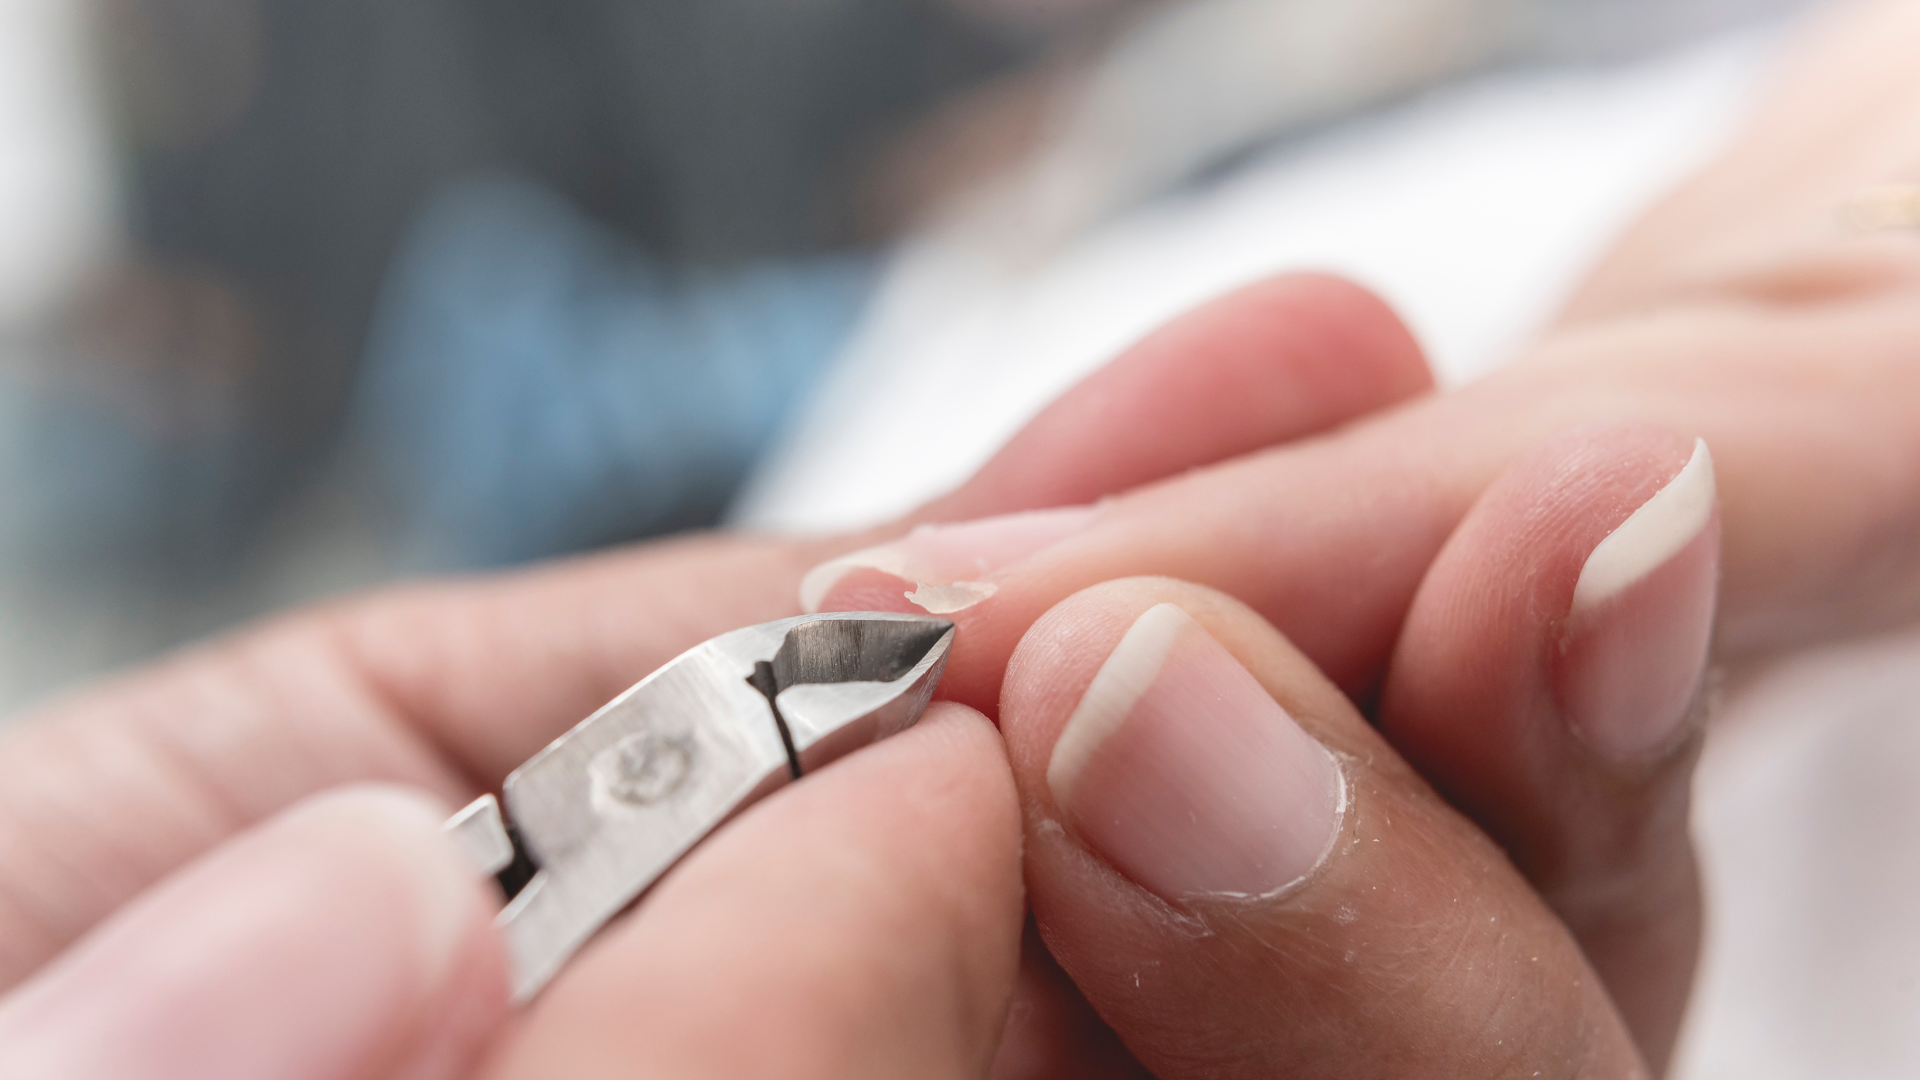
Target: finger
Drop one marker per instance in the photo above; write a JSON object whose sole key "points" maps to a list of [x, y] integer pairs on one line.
{"points": [[112, 791], [344, 940], [1291, 356], [1328, 539], [1052, 1033], [864, 922], [446, 687], [1546, 682], [1246, 881], [1808, 410]]}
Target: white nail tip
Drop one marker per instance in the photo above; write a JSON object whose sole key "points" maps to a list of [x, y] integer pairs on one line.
{"points": [[1129, 670], [1653, 534]]}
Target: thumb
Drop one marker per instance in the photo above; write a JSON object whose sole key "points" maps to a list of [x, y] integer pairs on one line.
{"points": [[1245, 880], [342, 940]]}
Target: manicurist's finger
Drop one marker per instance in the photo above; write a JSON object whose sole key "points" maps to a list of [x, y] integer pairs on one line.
{"points": [[1245, 880], [343, 940], [1547, 680], [864, 922]]}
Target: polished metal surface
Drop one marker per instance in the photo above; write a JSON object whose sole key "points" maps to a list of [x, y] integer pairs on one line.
{"points": [[481, 835], [610, 806]]}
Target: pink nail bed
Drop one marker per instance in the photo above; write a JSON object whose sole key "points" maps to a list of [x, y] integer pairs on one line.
{"points": [[1186, 775]]}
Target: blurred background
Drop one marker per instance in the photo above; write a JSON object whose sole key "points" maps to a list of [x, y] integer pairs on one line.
{"points": [[300, 297]]}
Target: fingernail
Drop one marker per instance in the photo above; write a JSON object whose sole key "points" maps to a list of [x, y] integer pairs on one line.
{"points": [[1186, 775], [301, 950], [939, 568], [1635, 645]]}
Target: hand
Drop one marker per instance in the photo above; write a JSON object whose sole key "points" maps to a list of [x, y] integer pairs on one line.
{"points": [[332, 941], [819, 934], [340, 940], [1738, 312]]}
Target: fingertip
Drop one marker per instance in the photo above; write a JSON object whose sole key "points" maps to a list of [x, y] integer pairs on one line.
{"points": [[341, 936], [1632, 652], [1280, 359], [1367, 346], [1058, 656], [950, 726], [956, 744], [395, 833], [1189, 777], [1504, 599]]}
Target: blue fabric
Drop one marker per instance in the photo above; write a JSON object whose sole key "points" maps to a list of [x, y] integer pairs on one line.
{"points": [[113, 482], [536, 385]]}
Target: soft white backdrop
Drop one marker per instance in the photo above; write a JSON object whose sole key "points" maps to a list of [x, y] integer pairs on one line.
{"points": [[1473, 209]]}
